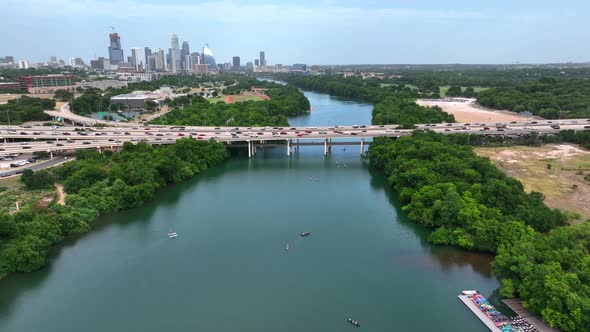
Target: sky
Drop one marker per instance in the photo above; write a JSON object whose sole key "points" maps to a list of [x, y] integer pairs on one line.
{"points": [[307, 31]]}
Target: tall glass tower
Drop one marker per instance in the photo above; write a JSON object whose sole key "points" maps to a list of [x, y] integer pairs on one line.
{"points": [[208, 58], [175, 57], [115, 51]]}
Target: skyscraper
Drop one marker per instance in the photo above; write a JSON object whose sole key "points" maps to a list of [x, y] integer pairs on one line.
{"points": [[136, 57], [169, 60], [236, 62], [115, 51], [175, 56], [207, 58], [256, 62], [195, 59], [160, 60], [262, 59], [147, 52], [184, 53]]}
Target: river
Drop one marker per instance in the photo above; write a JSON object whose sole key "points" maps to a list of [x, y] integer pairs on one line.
{"points": [[228, 269]]}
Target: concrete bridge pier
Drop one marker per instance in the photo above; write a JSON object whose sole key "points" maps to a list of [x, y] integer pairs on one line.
{"points": [[50, 154], [330, 144], [325, 146], [249, 150], [362, 146], [288, 148]]}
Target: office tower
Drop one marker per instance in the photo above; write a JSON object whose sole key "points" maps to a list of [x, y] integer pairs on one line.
{"points": [[207, 58], [256, 62], [52, 59], [160, 60], [187, 63], [9, 59], [184, 53], [136, 57], [115, 51], [236, 62], [249, 66], [169, 60], [152, 62], [262, 59], [23, 64], [147, 52], [195, 59], [175, 55]]}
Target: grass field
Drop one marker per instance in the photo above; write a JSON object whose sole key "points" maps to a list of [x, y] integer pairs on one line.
{"points": [[12, 190], [562, 182], [444, 88], [237, 98]]}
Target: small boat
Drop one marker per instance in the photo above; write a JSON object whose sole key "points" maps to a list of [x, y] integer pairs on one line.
{"points": [[172, 235], [304, 234], [287, 247], [354, 322]]}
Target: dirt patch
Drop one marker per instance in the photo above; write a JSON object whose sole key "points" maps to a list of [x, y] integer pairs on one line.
{"points": [[468, 113], [61, 194], [557, 171]]}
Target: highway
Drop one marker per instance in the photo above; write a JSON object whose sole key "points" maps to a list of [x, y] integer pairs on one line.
{"points": [[36, 165], [25, 139]]}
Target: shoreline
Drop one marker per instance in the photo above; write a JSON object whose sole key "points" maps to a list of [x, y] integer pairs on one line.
{"points": [[469, 112]]}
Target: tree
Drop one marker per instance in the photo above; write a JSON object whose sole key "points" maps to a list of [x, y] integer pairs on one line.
{"points": [[63, 95]]}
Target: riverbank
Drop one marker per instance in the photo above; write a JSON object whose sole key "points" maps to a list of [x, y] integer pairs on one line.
{"points": [[467, 112]]}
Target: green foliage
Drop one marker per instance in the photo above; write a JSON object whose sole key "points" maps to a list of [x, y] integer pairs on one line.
{"points": [[90, 102], [97, 184], [551, 274], [406, 113], [42, 179], [470, 202], [548, 98], [63, 95], [25, 109], [285, 101]]}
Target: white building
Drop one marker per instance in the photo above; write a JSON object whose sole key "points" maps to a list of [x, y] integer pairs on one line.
{"points": [[136, 55], [175, 61], [23, 64]]}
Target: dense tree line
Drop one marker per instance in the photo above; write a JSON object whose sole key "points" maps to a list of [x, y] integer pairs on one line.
{"points": [[25, 109], [96, 184], [285, 101], [406, 113], [551, 275], [445, 185], [548, 97]]}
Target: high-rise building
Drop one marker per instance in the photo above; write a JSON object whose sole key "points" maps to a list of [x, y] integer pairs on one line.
{"points": [[262, 59], [169, 60], [249, 66], [160, 60], [236, 62], [147, 52], [187, 64], [207, 58], [97, 64], [256, 62], [23, 64], [9, 60], [175, 55], [52, 59], [115, 51], [184, 53], [136, 55]]}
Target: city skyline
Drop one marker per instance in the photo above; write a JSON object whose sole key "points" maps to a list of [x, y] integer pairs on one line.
{"points": [[326, 32]]}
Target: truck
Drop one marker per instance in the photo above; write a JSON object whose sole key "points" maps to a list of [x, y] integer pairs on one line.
{"points": [[501, 125]]}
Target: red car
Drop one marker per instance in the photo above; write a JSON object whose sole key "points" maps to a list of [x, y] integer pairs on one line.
{"points": [[299, 135], [200, 135], [180, 134], [308, 131], [283, 133], [67, 134]]}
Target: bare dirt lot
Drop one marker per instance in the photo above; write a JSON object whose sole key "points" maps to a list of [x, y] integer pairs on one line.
{"points": [[468, 113], [557, 171]]}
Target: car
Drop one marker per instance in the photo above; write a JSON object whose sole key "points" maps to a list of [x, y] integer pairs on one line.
{"points": [[201, 135], [59, 144], [486, 128], [283, 133], [23, 133], [26, 126], [70, 141], [127, 133], [36, 133], [447, 129], [260, 133], [217, 128], [308, 131], [534, 122], [117, 141], [353, 133], [49, 142], [587, 127], [363, 126], [26, 147], [299, 135], [85, 143], [135, 139], [66, 134], [449, 124], [217, 133], [159, 134], [180, 134], [111, 140], [513, 122], [323, 133]]}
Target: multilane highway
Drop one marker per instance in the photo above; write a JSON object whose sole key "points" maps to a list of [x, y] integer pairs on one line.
{"points": [[58, 138]]}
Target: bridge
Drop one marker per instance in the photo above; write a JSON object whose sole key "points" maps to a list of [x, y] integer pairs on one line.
{"points": [[23, 139]]}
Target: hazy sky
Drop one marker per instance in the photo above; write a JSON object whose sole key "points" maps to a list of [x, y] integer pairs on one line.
{"points": [[307, 31]]}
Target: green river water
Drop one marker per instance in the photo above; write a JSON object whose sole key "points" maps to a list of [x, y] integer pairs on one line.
{"points": [[228, 269]]}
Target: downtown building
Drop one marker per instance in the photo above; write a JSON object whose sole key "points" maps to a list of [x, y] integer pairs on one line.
{"points": [[115, 50], [47, 84]]}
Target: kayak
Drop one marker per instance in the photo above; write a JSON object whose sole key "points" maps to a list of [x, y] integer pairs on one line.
{"points": [[354, 322], [287, 247], [304, 234]]}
